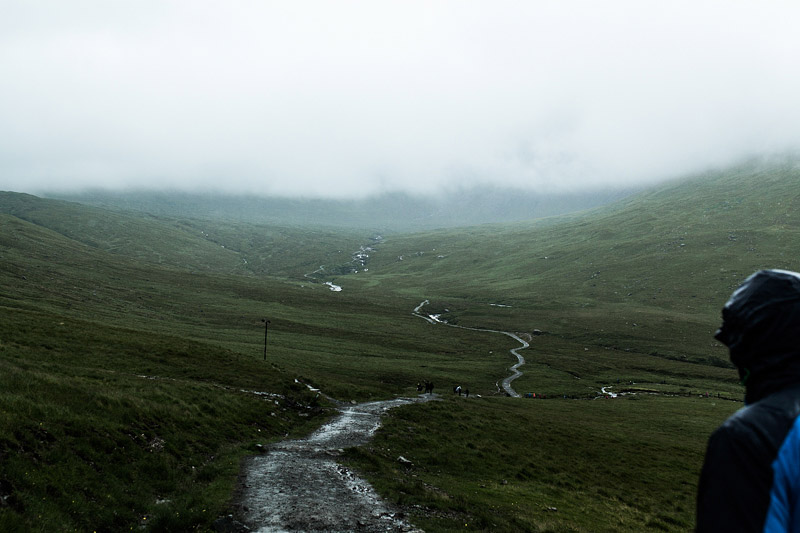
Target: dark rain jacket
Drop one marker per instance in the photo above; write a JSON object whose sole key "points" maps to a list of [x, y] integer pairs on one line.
{"points": [[751, 476]]}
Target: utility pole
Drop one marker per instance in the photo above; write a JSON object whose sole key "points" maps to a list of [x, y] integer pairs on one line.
{"points": [[266, 327]]}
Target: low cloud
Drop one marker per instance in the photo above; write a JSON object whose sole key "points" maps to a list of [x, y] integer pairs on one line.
{"points": [[354, 98]]}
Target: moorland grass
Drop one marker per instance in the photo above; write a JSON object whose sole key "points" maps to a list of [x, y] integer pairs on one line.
{"points": [[627, 464], [125, 384], [135, 337], [107, 429], [649, 274]]}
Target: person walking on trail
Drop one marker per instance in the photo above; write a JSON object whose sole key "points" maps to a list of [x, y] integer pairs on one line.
{"points": [[750, 479]]}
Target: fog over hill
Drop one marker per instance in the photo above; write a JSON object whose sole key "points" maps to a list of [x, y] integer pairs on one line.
{"points": [[353, 99], [393, 212], [398, 211]]}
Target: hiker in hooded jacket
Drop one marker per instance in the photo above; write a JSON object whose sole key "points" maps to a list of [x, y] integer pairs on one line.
{"points": [[751, 475]]}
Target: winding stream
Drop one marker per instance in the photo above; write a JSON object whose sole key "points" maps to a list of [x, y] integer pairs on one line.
{"points": [[434, 319]]}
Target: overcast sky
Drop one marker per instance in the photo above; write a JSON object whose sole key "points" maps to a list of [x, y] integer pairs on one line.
{"points": [[348, 98]]}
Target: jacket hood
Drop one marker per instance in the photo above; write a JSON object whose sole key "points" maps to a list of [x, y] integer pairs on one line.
{"points": [[761, 327]]}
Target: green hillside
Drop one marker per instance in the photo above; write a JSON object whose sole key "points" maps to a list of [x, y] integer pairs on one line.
{"points": [[132, 350], [665, 260], [109, 357], [188, 244]]}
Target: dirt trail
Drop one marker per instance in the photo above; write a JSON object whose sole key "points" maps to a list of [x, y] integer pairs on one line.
{"points": [[298, 486]]}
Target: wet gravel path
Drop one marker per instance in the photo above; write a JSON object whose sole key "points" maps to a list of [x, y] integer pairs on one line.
{"points": [[298, 485]]}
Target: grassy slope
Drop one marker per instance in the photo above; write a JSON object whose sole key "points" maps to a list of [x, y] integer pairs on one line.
{"points": [[106, 407], [122, 377], [102, 428], [647, 276], [189, 244], [629, 297], [528, 465], [193, 315]]}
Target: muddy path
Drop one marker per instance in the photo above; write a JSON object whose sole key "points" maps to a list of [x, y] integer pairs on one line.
{"points": [[515, 372], [299, 486]]}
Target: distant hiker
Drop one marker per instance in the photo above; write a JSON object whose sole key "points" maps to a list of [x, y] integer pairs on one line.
{"points": [[751, 475], [419, 386], [428, 387], [457, 390], [466, 393]]}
